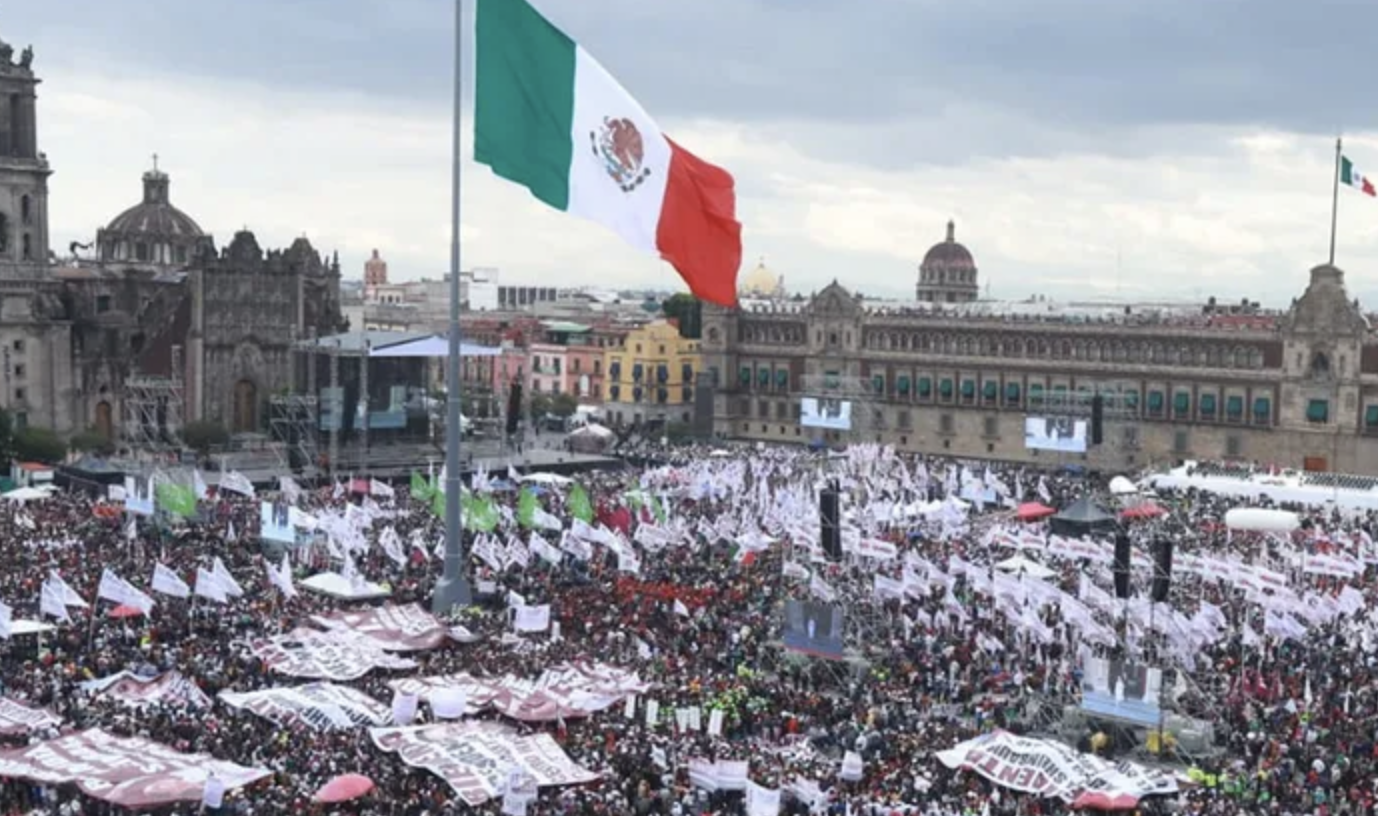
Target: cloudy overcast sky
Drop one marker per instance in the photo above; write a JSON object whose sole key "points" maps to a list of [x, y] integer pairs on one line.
{"points": [[1170, 149]]}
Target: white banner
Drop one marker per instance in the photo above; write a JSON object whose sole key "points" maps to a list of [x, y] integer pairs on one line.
{"points": [[575, 689], [16, 718], [393, 628], [170, 688], [475, 757], [728, 775], [532, 618], [321, 706], [131, 772], [761, 801], [1053, 770], [336, 655]]}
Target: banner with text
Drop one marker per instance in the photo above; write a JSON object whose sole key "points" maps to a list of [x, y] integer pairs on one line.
{"points": [[475, 758], [319, 706], [131, 772], [1051, 769]]}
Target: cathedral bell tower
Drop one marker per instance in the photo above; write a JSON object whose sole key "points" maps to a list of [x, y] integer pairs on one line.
{"points": [[24, 170]]}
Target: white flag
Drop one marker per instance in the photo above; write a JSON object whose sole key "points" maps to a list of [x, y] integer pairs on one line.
{"points": [[117, 590], [285, 576], [291, 491], [392, 545], [198, 485], [50, 602], [381, 489], [237, 482], [681, 609], [6, 620], [68, 595], [208, 585], [232, 587], [167, 582]]}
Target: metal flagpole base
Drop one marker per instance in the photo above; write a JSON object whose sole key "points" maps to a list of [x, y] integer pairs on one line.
{"points": [[450, 593]]}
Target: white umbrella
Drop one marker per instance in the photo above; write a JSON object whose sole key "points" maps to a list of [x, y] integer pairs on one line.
{"points": [[548, 479]]}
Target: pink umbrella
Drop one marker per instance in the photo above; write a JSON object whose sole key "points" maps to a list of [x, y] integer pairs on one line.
{"points": [[125, 611], [343, 788], [1147, 510], [1033, 511], [1105, 800]]}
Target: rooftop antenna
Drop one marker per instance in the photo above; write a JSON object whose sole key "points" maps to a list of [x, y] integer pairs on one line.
{"points": [[155, 162]]}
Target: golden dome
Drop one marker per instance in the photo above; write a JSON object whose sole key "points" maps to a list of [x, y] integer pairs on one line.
{"points": [[759, 282]]}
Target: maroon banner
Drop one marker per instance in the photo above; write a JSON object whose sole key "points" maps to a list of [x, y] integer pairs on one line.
{"points": [[406, 628], [16, 718], [131, 772]]}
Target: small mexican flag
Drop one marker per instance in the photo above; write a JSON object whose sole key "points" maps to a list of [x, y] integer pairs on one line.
{"points": [[1350, 175], [547, 116], [743, 557]]}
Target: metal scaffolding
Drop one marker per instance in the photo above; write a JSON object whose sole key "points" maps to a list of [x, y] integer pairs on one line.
{"points": [[153, 409], [292, 423]]}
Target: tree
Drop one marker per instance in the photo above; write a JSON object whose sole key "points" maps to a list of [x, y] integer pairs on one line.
{"points": [[688, 310], [563, 405], [538, 405], [6, 437], [204, 434], [39, 445], [92, 440]]}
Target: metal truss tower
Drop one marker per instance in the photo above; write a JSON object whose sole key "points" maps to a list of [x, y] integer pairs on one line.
{"points": [[154, 409]]}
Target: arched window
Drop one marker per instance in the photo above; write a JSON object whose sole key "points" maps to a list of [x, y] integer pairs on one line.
{"points": [[25, 210]]}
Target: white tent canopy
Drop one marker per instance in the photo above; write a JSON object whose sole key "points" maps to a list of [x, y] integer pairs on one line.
{"points": [[594, 430], [337, 586], [548, 479], [433, 346]]}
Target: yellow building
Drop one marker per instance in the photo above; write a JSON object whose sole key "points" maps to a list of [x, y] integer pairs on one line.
{"points": [[651, 376]]}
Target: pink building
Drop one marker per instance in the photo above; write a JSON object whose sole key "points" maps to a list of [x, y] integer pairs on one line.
{"points": [[509, 367], [547, 368]]}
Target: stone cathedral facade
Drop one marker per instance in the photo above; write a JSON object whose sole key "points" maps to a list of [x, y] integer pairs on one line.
{"points": [[150, 300]]}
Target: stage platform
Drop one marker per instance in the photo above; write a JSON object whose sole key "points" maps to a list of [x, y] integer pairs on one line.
{"points": [[397, 462]]}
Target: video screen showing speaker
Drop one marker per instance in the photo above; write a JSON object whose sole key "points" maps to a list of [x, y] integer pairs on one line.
{"points": [[825, 412], [1121, 689], [1062, 434], [275, 522], [814, 629]]}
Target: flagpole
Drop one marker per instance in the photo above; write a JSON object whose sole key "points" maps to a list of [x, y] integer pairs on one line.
{"points": [[1335, 200], [452, 589]]}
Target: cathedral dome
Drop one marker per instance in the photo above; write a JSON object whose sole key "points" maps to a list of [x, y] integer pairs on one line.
{"points": [[152, 231], [155, 215], [760, 282], [948, 254]]}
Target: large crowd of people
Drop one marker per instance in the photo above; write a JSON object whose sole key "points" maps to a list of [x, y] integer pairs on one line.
{"points": [[695, 611]]}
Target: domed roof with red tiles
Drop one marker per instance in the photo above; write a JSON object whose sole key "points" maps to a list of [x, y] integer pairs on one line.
{"points": [[948, 254]]}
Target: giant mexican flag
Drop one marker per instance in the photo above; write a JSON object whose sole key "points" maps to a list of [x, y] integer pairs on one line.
{"points": [[550, 118]]}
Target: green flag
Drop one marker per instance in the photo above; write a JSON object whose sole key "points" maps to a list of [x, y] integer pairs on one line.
{"points": [[658, 510], [421, 489], [480, 514], [438, 503], [179, 500], [578, 504], [526, 509]]}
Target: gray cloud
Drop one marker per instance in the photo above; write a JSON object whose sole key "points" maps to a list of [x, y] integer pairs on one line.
{"points": [[1081, 64]]}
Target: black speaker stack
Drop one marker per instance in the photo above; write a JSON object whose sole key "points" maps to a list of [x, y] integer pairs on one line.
{"points": [[1121, 566], [514, 408], [830, 521], [1097, 419], [1162, 570]]}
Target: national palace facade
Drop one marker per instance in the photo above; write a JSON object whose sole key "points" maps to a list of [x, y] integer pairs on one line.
{"points": [[1300, 390]]}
